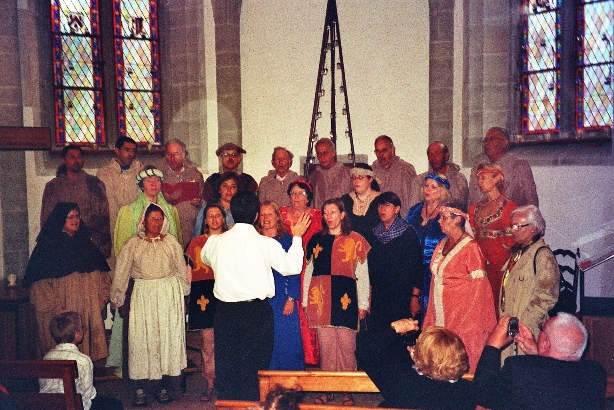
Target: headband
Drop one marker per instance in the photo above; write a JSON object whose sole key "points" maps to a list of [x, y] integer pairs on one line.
{"points": [[454, 211], [361, 171], [150, 172], [304, 181], [490, 171], [438, 179]]}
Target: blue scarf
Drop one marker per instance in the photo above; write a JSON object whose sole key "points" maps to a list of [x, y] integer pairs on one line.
{"points": [[396, 229]]}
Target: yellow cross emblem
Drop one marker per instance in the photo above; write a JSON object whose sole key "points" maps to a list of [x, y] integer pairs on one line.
{"points": [[202, 302], [345, 301], [316, 250]]}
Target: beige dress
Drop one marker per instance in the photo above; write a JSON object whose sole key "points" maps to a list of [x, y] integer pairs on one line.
{"points": [[156, 332], [84, 293]]}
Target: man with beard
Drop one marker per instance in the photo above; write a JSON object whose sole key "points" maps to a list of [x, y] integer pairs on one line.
{"points": [[72, 184]]}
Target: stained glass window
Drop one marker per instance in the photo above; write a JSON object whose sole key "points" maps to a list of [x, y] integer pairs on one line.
{"points": [[77, 76], [540, 66], [587, 71], [595, 64], [79, 79], [137, 69]]}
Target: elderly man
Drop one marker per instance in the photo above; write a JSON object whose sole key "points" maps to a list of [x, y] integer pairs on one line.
{"points": [[438, 155], [242, 260], [550, 376], [230, 156], [119, 177], [530, 286], [72, 184], [330, 179], [183, 185], [274, 186], [392, 172], [519, 182]]}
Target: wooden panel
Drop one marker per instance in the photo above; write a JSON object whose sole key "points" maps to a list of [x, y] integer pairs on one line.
{"points": [[600, 346], [26, 138]]}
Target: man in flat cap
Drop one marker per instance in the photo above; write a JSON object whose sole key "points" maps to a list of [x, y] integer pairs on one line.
{"points": [[230, 156]]}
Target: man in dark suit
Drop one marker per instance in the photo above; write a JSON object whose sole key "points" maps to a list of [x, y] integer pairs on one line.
{"points": [[550, 375]]}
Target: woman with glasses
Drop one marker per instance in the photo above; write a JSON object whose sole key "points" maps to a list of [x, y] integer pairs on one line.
{"points": [[530, 286], [301, 196], [359, 204], [490, 221], [460, 297]]}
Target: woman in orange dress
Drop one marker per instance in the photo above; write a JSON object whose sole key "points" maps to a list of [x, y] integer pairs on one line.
{"points": [[301, 195], [460, 297], [490, 220]]}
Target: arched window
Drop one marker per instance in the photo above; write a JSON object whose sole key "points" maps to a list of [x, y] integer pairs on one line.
{"points": [[79, 81], [567, 62]]}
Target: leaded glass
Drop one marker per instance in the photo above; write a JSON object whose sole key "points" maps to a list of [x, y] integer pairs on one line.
{"points": [[77, 78], [596, 58], [540, 58], [137, 69]]}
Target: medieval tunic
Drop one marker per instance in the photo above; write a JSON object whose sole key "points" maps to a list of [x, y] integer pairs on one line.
{"points": [[461, 297], [398, 179], [336, 282], [156, 332], [89, 193], [202, 302], [174, 181], [329, 183]]}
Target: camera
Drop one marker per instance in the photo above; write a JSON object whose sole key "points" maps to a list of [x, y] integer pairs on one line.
{"points": [[410, 337], [512, 327]]}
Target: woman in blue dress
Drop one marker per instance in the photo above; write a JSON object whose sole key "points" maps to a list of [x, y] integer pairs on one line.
{"points": [[424, 217], [287, 342]]}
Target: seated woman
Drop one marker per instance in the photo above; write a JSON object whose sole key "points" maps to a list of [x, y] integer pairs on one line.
{"points": [[427, 376], [68, 272], [156, 332]]}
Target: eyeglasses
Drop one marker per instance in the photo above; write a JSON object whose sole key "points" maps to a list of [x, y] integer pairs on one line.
{"points": [[516, 227], [358, 177], [230, 154], [298, 193], [381, 151], [171, 155]]}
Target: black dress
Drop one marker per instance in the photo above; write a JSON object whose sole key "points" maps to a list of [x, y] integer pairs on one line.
{"points": [[363, 224]]}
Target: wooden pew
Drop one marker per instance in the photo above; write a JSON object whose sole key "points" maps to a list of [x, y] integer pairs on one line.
{"points": [[251, 405], [318, 381], [609, 388], [48, 369]]}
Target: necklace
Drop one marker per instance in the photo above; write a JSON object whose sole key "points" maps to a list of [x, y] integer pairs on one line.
{"points": [[361, 204], [427, 216]]}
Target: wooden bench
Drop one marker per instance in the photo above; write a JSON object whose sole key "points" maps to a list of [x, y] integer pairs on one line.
{"points": [[318, 381], [47, 369], [609, 388], [250, 405]]}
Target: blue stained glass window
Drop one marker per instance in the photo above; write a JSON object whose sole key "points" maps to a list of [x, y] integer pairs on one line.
{"points": [[77, 77], [137, 67]]}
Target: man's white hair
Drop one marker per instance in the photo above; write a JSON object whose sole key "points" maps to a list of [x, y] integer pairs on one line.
{"points": [[567, 335]]}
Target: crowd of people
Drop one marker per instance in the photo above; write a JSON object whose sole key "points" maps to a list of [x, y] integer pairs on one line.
{"points": [[329, 271]]}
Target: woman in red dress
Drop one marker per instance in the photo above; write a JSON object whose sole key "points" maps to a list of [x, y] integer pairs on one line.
{"points": [[301, 195], [490, 220]]}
